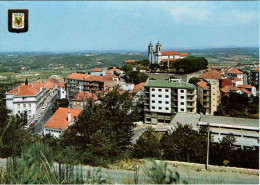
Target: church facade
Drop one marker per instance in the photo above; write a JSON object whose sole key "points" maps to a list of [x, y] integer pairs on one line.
{"points": [[158, 56]]}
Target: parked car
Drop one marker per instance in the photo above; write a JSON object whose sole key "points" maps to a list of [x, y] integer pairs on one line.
{"points": [[32, 124]]}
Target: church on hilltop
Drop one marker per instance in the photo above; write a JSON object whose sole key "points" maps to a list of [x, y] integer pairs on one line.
{"points": [[157, 56]]}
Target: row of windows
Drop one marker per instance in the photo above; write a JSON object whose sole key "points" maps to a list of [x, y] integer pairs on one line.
{"points": [[160, 96], [160, 102], [53, 130], [160, 90], [23, 105], [160, 108]]}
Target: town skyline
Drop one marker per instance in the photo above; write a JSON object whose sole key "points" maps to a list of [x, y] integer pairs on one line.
{"points": [[130, 26]]}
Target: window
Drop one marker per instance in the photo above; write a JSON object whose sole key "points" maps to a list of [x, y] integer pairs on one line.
{"points": [[29, 105], [153, 101], [182, 97], [160, 90], [160, 102], [153, 107], [182, 91], [182, 103], [24, 105], [153, 95], [18, 106], [159, 96], [166, 108], [166, 90], [213, 93], [166, 96], [167, 102], [182, 110], [160, 108], [153, 89]]}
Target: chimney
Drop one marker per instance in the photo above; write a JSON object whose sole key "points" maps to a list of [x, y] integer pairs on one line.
{"points": [[18, 88], [69, 116]]}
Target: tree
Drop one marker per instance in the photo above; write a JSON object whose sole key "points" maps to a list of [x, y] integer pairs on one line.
{"points": [[145, 62], [147, 145], [141, 77], [154, 67], [107, 125], [194, 80], [128, 68]]}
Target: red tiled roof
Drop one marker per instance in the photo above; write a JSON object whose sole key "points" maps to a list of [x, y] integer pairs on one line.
{"points": [[62, 85], [114, 69], [97, 70], [59, 120], [184, 54], [138, 87], [227, 89], [246, 91], [84, 96], [109, 72], [130, 61], [171, 59], [203, 84], [245, 86], [211, 75], [237, 79], [31, 89], [169, 53], [235, 71], [78, 76]]}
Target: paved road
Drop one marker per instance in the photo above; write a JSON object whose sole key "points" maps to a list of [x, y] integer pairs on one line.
{"points": [[190, 175], [37, 129]]}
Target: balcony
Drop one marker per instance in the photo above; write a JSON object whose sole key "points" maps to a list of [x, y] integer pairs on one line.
{"points": [[191, 106], [191, 100]]}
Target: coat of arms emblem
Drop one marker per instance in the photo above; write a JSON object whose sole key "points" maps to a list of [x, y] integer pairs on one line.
{"points": [[18, 20]]}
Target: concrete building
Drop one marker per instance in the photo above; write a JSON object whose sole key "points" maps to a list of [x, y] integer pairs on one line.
{"points": [[80, 100], [31, 98], [255, 76], [166, 56], [128, 86], [239, 78], [61, 91], [76, 83], [240, 89], [60, 121], [246, 131], [208, 96], [164, 98], [97, 72]]}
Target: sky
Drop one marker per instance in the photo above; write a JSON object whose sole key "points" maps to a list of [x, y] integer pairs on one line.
{"points": [[69, 26]]}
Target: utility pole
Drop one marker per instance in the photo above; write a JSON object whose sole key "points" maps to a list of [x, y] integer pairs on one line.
{"points": [[207, 165]]}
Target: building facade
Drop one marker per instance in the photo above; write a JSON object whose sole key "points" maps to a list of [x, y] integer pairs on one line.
{"points": [[31, 98], [208, 96], [164, 98], [80, 100]]}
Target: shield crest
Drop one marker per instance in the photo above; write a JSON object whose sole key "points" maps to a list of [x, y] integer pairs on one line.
{"points": [[18, 20]]}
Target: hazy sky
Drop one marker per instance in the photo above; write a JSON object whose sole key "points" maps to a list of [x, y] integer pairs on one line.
{"points": [[74, 26]]}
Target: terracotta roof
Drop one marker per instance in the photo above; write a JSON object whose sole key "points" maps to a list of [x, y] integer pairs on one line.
{"points": [[245, 86], [78, 76], [84, 96], [130, 61], [138, 87], [109, 72], [62, 85], [246, 91], [97, 70], [237, 79], [59, 120], [31, 89], [235, 71], [227, 89], [114, 69], [211, 75], [169, 53], [203, 84], [213, 67], [171, 59], [184, 54]]}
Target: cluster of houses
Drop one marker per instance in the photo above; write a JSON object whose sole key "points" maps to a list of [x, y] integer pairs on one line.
{"points": [[163, 99]]}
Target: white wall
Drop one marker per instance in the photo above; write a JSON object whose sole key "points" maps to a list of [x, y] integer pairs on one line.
{"points": [[160, 100], [182, 100]]}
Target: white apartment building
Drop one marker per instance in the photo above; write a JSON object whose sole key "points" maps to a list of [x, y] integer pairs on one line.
{"points": [[29, 98], [164, 98], [61, 91]]}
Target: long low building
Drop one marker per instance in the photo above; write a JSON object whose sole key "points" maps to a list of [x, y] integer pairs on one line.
{"points": [[246, 131]]}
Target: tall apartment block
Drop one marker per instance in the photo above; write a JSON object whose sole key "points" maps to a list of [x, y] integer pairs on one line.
{"points": [[208, 96], [164, 98]]}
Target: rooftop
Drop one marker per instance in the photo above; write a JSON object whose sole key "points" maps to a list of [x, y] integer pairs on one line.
{"points": [[203, 84], [97, 70], [59, 120], [211, 75], [169, 53], [169, 84], [235, 71], [84, 96], [139, 87], [130, 61], [78, 76]]}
